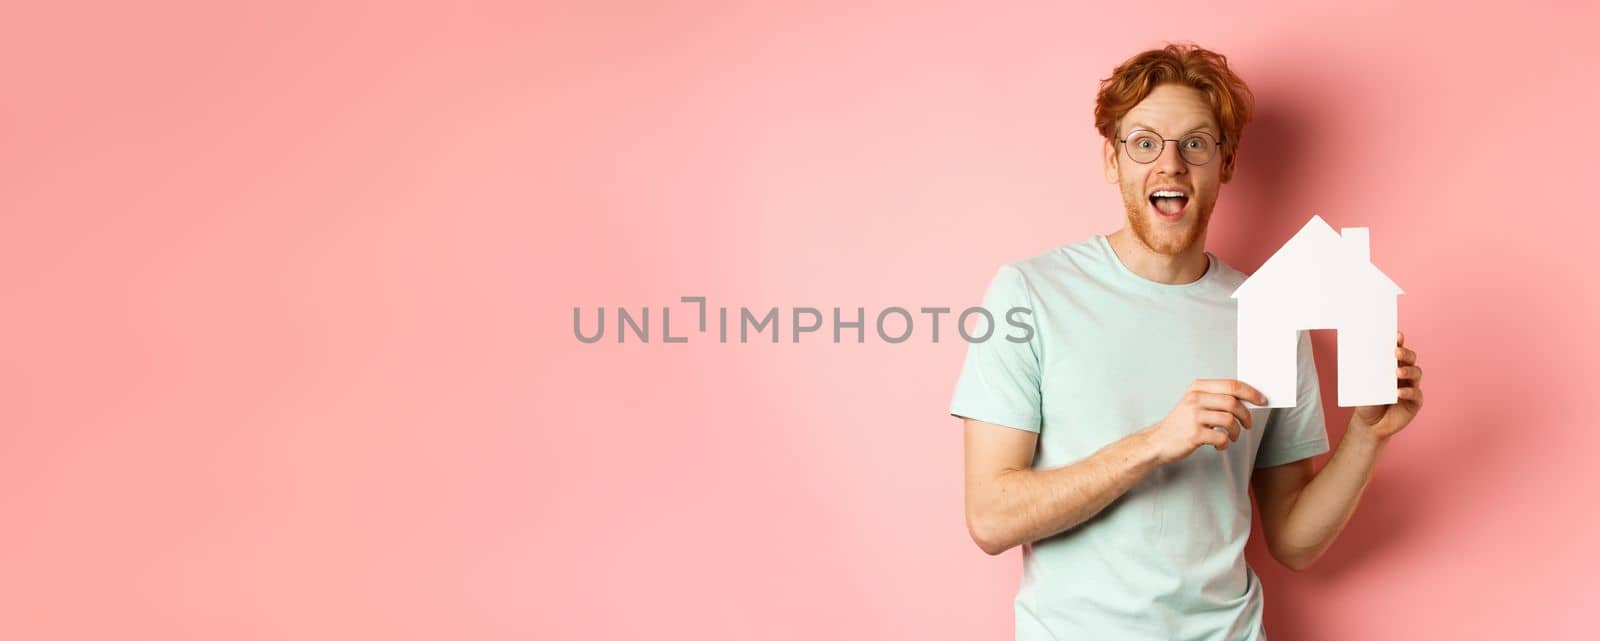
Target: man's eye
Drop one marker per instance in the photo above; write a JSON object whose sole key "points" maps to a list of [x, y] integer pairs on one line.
{"points": [[1145, 143], [1195, 143]]}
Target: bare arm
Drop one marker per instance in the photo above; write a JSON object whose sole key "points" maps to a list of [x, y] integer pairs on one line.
{"points": [[1304, 510], [1008, 503]]}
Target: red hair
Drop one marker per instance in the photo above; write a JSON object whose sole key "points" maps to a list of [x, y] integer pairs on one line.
{"points": [[1183, 64]]}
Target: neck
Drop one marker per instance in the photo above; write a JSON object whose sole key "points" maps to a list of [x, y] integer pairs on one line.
{"points": [[1181, 268]]}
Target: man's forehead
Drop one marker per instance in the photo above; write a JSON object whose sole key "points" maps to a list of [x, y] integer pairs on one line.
{"points": [[1171, 107], [1191, 124]]}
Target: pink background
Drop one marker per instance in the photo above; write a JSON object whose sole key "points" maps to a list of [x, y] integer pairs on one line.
{"points": [[289, 350]]}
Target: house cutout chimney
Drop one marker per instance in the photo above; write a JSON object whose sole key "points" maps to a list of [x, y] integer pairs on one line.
{"points": [[1356, 240]]}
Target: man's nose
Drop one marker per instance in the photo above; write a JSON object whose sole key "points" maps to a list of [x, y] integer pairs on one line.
{"points": [[1170, 161]]}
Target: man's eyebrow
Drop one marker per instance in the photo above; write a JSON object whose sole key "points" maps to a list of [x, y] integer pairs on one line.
{"points": [[1204, 125]]}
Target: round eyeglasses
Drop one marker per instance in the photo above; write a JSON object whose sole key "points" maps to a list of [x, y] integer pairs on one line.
{"points": [[1145, 146]]}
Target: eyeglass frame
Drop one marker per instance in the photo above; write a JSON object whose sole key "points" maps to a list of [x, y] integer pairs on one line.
{"points": [[1124, 140]]}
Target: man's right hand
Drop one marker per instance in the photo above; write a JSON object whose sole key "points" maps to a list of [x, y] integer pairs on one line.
{"points": [[1208, 404]]}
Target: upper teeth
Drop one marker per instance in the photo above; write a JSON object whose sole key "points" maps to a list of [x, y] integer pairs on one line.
{"points": [[1168, 194]]}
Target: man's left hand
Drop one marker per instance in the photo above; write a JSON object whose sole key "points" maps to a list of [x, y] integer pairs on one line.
{"points": [[1387, 420]]}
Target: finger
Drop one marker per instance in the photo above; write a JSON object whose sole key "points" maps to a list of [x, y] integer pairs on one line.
{"points": [[1224, 420], [1405, 356], [1399, 338], [1216, 439], [1409, 373], [1231, 387], [1411, 397], [1226, 403]]}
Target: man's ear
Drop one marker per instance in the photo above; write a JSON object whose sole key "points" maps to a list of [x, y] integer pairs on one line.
{"points": [[1109, 151], [1228, 158]]}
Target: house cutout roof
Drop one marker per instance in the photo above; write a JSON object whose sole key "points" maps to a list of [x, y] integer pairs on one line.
{"points": [[1319, 252]]}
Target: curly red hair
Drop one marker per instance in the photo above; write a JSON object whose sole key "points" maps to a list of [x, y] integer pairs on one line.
{"points": [[1185, 64]]}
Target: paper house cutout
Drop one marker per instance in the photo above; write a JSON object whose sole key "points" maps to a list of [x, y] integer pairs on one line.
{"points": [[1320, 279]]}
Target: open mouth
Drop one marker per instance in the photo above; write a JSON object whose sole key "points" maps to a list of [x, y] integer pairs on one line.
{"points": [[1170, 204]]}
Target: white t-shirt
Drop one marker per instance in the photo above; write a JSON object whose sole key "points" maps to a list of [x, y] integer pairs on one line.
{"points": [[1110, 355]]}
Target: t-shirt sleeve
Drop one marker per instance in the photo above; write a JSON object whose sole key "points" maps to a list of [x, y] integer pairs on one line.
{"points": [[999, 382], [1294, 433]]}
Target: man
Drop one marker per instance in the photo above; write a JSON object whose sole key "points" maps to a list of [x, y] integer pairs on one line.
{"points": [[1112, 445]]}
